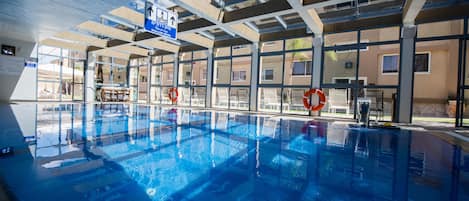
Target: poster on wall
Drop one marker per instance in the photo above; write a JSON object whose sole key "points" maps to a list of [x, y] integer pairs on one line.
{"points": [[8, 50], [160, 21]]}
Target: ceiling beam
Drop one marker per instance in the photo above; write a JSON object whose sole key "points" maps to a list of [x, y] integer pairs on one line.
{"points": [[133, 16], [411, 10], [63, 44], [309, 16], [158, 44], [108, 31], [206, 10], [89, 40], [112, 53], [196, 39], [132, 50]]}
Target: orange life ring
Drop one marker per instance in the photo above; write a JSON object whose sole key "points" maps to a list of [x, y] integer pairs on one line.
{"points": [[322, 100], [173, 94]]}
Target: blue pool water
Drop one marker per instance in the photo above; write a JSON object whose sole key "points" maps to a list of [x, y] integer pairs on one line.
{"points": [[137, 152]]}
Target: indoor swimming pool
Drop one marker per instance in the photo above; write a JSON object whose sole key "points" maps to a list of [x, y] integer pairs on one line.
{"points": [[140, 152]]}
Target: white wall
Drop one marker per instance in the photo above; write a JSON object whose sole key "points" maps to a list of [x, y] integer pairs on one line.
{"points": [[16, 81]]}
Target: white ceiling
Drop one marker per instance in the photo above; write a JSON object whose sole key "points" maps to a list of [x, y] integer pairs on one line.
{"points": [[35, 20]]}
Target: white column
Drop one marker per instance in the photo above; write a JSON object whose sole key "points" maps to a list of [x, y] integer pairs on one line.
{"points": [[254, 76], [317, 61], [406, 75], [209, 82], [176, 70], [149, 80], [90, 88]]}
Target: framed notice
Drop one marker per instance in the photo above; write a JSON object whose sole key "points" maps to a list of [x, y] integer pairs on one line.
{"points": [[8, 50]]}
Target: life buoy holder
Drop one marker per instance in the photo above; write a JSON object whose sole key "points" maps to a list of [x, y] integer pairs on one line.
{"points": [[322, 100], [173, 94]]}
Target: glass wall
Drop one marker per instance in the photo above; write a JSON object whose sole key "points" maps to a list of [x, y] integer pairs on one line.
{"points": [[192, 79], [60, 74], [232, 76], [436, 62], [285, 70], [162, 73], [361, 65]]}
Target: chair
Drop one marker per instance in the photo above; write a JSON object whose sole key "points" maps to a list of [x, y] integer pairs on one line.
{"points": [[377, 103], [222, 94], [338, 100], [271, 98]]}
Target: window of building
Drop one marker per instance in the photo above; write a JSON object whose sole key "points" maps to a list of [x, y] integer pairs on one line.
{"points": [[268, 74], [302, 68], [238, 76], [390, 63], [422, 62]]}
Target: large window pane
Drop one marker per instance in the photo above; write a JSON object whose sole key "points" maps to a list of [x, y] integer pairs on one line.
{"points": [[222, 71], [241, 50], [155, 95], [198, 96], [142, 83], [124, 62], [48, 90], [156, 75], [339, 66], [239, 98], [445, 28], [184, 98], [202, 54], [49, 68], [379, 35], [241, 71], [345, 38], [103, 74], [298, 68], [119, 75], [271, 68], [185, 56], [220, 97], [379, 64], [78, 67], [164, 96], [168, 58], [272, 46], [382, 103], [222, 52], [435, 81], [67, 80], [293, 100], [185, 74], [199, 73], [299, 43], [339, 103], [133, 76], [168, 73], [78, 91], [269, 99]]}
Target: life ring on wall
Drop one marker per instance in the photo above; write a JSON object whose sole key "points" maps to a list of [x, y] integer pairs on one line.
{"points": [[173, 94], [322, 100]]}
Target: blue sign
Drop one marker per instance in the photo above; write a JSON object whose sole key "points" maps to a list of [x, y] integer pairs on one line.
{"points": [[30, 64], [160, 21]]}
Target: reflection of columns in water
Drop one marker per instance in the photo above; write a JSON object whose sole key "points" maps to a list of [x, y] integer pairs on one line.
{"points": [[400, 188]]}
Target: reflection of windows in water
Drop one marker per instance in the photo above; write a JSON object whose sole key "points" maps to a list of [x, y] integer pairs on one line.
{"points": [[417, 164]]}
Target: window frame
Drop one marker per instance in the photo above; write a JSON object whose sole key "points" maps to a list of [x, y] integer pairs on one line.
{"points": [[239, 76], [429, 71], [382, 64], [264, 76], [305, 74]]}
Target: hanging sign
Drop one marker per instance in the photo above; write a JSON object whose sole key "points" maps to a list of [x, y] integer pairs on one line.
{"points": [[160, 21]]}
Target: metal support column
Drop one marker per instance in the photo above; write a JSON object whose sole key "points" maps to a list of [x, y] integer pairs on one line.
{"points": [[149, 80], [254, 76], [317, 61], [90, 88], [209, 82], [406, 75]]}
